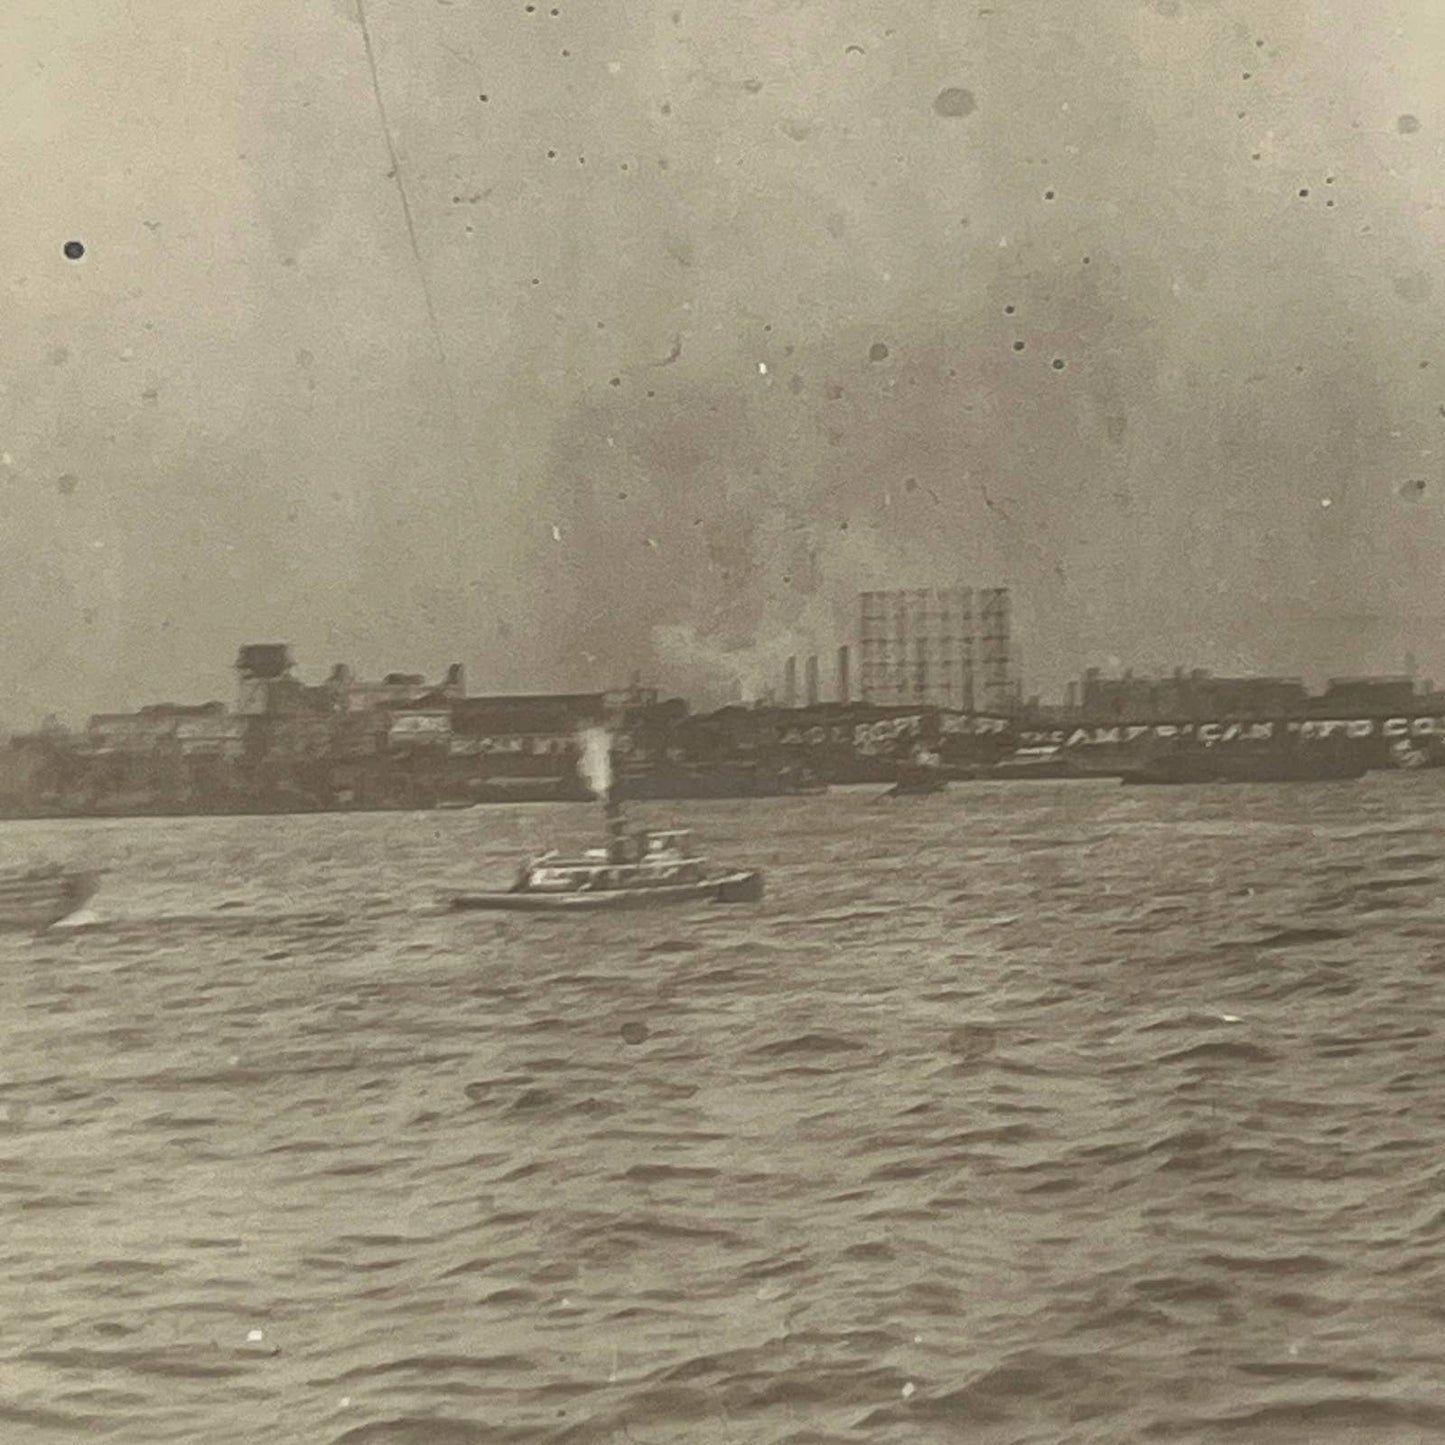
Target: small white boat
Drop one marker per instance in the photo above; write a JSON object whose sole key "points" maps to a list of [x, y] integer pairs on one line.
{"points": [[35, 898]]}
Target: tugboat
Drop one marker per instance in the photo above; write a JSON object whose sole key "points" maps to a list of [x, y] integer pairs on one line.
{"points": [[633, 870], [919, 776], [35, 898]]}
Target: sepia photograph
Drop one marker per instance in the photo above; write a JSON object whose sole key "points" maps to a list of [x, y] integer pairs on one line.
{"points": [[719, 723]]}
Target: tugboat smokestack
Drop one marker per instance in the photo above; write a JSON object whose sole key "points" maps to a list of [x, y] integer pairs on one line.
{"points": [[616, 826]]}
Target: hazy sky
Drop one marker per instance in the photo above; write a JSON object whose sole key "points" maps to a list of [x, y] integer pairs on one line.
{"points": [[722, 334]]}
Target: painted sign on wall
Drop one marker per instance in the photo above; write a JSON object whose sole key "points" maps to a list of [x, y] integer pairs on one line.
{"points": [[526, 744], [1305, 729]]}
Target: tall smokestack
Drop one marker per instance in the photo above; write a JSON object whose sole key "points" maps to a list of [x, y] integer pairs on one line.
{"points": [[616, 827], [810, 681], [844, 689], [790, 682]]}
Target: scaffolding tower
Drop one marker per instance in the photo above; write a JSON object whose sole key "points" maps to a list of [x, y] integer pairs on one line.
{"points": [[916, 648], [996, 692]]}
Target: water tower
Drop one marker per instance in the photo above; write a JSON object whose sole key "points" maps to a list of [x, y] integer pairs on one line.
{"points": [[260, 665]]}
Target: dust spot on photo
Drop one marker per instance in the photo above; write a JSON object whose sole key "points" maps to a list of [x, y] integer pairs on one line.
{"points": [[1413, 288], [954, 102]]}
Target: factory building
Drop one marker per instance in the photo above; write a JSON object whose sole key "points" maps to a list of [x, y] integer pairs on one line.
{"points": [[1194, 694]]}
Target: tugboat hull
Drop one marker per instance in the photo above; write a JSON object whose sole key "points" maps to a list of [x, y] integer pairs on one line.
{"points": [[917, 787], [746, 887]]}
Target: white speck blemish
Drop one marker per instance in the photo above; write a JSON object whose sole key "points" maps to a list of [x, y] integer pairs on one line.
{"points": [[762, 368], [908, 1389], [254, 1337]]}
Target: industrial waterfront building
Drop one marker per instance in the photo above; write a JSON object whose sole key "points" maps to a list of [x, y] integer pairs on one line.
{"points": [[949, 648], [935, 676]]}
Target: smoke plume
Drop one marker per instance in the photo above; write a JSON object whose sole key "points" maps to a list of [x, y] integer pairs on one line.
{"points": [[595, 761]]}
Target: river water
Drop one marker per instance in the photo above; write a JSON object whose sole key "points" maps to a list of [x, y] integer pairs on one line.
{"points": [[1028, 1113]]}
